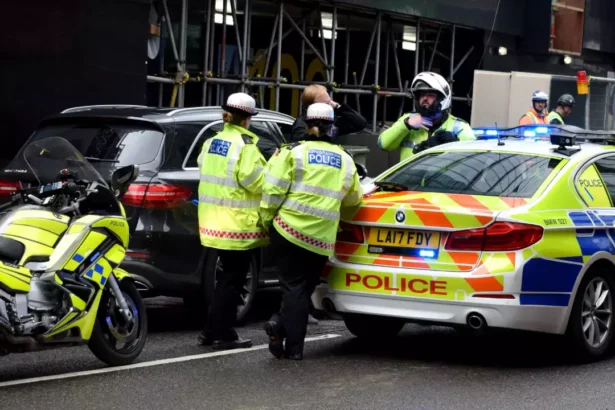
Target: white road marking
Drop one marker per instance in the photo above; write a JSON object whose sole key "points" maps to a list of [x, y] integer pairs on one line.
{"points": [[151, 363]]}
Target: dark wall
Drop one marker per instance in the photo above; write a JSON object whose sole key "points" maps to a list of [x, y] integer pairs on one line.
{"points": [[599, 30], [61, 53], [470, 13]]}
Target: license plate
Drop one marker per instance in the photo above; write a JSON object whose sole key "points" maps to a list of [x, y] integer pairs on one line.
{"points": [[384, 240]]}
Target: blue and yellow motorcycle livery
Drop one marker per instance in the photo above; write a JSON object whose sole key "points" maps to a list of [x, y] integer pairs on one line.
{"points": [[61, 244]]}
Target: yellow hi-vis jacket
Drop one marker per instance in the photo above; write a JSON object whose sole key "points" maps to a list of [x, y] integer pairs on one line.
{"points": [[232, 175], [399, 135], [308, 187], [554, 115]]}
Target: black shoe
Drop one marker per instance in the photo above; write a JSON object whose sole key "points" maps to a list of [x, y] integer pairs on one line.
{"points": [[238, 343], [276, 341], [204, 339], [293, 353]]}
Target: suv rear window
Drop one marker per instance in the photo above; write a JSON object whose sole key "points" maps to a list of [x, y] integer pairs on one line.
{"points": [[123, 141], [476, 173]]}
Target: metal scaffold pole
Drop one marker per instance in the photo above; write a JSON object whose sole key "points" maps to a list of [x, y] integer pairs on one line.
{"points": [[279, 66], [377, 68], [209, 20], [181, 96], [215, 86]]}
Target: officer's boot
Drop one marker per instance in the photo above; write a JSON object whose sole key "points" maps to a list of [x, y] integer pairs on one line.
{"points": [[274, 330], [293, 351]]}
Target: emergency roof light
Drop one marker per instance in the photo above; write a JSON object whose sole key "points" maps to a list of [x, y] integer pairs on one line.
{"points": [[561, 135]]}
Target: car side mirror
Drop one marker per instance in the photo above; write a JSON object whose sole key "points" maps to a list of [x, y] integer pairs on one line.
{"points": [[361, 170], [123, 177]]}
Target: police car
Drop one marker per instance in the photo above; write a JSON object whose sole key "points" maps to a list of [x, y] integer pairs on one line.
{"points": [[514, 230]]}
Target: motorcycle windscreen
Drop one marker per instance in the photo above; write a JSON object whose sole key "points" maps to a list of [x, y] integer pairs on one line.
{"points": [[51, 158]]}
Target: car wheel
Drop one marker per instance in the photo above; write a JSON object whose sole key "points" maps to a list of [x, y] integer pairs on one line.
{"points": [[373, 327], [248, 292], [590, 327]]}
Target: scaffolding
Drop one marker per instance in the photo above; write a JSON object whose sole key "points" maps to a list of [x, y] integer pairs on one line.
{"points": [[425, 51]]}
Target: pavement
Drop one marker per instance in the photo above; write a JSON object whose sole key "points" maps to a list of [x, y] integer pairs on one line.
{"points": [[426, 367]]}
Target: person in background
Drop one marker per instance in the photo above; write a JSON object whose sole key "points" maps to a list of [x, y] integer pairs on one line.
{"points": [[431, 124], [309, 186], [538, 112], [232, 175], [347, 120], [564, 108]]}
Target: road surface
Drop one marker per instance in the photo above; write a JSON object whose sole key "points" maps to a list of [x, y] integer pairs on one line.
{"points": [[424, 368]]}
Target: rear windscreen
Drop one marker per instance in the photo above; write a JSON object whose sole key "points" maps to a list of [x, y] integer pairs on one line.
{"points": [[125, 142], [476, 173]]}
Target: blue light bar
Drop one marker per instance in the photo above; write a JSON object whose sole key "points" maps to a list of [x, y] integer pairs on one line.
{"points": [[426, 253], [542, 130], [492, 132], [529, 133], [479, 132]]}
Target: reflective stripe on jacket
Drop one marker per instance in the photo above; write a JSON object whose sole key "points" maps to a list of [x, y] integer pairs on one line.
{"points": [[399, 135], [555, 116], [232, 175], [309, 186], [531, 117]]}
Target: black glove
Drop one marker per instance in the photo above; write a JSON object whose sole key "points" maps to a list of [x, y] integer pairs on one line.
{"points": [[438, 138]]}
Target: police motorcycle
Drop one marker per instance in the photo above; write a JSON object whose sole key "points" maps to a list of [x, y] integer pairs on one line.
{"points": [[61, 244]]}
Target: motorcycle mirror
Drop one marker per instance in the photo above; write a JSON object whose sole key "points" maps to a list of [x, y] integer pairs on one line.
{"points": [[122, 177], [361, 170]]}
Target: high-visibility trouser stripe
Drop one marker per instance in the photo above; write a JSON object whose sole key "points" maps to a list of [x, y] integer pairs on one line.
{"points": [[311, 189], [310, 210], [254, 175], [231, 203], [229, 182], [279, 182], [272, 199], [303, 237]]}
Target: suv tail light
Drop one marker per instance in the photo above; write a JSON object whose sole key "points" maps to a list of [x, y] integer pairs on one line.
{"points": [[500, 236], [350, 233], [7, 188], [156, 196]]}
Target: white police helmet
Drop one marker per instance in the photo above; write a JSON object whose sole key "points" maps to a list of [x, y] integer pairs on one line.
{"points": [[320, 111], [240, 103]]}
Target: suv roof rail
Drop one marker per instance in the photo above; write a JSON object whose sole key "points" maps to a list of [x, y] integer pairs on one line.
{"points": [[87, 107], [190, 109], [217, 107]]}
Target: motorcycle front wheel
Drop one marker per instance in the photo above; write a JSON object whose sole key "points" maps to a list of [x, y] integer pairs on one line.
{"points": [[114, 340]]}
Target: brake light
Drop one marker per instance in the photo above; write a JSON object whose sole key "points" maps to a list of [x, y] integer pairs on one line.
{"points": [[500, 236], [350, 233], [8, 187], [156, 196]]}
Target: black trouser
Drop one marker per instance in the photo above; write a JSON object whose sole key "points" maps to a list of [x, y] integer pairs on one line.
{"points": [[299, 275], [223, 307]]}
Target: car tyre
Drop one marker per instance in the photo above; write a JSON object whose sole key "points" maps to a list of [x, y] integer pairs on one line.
{"points": [[213, 267], [590, 326], [373, 327]]}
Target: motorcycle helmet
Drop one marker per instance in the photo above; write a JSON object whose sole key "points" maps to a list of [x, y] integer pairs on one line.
{"points": [[433, 83], [566, 100], [540, 96]]}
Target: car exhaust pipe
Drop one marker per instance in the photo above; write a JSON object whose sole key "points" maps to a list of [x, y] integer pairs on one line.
{"points": [[328, 306], [476, 321]]}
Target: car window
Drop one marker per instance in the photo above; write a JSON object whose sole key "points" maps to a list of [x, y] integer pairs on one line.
{"points": [[212, 130], [476, 173], [268, 139], [606, 168], [124, 141], [178, 147], [287, 130]]}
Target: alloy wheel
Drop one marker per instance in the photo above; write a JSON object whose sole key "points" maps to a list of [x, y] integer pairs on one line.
{"points": [[596, 312]]}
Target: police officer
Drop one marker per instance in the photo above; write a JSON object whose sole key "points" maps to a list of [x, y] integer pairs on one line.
{"points": [[232, 175], [309, 186], [347, 120], [538, 112], [431, 124], [565, 104]]}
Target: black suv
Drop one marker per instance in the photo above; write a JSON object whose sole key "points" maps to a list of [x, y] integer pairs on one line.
{"points": [[165, 253]]}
